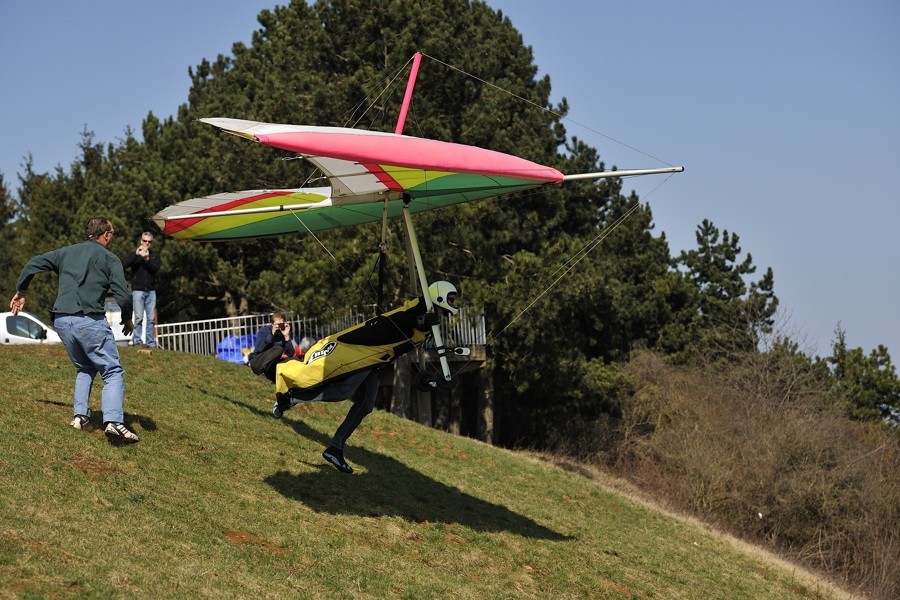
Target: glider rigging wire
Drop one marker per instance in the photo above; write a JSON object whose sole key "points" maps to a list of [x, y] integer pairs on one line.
{"points": [[545, 109], [383, 91], [576, 258], [342, 271]]}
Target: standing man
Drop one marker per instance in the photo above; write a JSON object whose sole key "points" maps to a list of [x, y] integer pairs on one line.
{"points": [[87, 272], [144, 265]]}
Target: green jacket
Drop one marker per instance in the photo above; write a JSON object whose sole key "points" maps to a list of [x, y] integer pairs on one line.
{"points": [[87, 272]]}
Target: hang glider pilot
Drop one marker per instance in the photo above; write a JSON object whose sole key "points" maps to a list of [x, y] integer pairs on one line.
{"points": [[337, 365]]}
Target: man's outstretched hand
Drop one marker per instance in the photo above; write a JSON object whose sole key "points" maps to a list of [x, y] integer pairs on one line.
{"points": [[17, 303]]}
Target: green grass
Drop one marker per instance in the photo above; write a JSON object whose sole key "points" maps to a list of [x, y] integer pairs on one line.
{"points": [[219, 500]]}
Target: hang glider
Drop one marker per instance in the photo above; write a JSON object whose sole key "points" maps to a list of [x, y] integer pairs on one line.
{"points": [[371, 176], [365, 170]]}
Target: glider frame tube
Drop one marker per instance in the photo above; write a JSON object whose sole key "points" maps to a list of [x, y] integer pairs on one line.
{"points": [[423, 283]]}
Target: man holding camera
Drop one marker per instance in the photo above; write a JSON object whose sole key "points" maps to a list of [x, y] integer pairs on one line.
{"points": [[278, 334], [144, 264]]}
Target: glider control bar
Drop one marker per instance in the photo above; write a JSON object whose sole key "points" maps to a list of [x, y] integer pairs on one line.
{"points": [[611, 174]]}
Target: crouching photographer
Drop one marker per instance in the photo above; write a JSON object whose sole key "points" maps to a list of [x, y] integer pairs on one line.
{"points": [[271, 338]]}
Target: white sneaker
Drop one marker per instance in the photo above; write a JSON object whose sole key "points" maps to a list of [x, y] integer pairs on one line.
{"points": [[81, 422], [118, 431]]}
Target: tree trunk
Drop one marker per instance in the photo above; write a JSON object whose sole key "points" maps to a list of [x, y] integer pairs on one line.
{"points": [[424, 408], [485, 430], [455, 424], [400, 403], [440, 402], [423, 399]]}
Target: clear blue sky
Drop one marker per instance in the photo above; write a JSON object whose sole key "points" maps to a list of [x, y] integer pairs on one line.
{"points": [[786, 115]]}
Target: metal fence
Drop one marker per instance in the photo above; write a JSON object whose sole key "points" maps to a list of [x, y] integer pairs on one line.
{"points": [[209, 336]]}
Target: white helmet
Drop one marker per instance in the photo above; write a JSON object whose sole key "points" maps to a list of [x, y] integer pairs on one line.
{"points": [[443, 293]]}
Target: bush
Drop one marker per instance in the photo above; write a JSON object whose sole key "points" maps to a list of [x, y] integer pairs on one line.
{"points": [[755, 446]]}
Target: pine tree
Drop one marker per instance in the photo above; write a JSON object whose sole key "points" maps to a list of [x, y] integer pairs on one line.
{"points": [[864, 385], [730, 315]]}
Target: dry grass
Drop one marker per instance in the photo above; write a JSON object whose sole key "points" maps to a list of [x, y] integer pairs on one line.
{"points": [[730, 447]]}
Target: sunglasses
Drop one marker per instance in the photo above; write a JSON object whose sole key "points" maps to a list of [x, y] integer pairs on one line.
{"points": [[147, 241]]}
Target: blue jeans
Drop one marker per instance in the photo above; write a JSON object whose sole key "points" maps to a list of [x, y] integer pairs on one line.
{"points": [[91, 346], [144, 302]]}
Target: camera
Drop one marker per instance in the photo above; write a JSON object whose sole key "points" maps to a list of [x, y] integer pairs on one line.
{"points": [[280, 326]]}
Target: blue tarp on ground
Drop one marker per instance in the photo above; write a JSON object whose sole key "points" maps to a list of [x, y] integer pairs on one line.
{"points": [[231, 347]]}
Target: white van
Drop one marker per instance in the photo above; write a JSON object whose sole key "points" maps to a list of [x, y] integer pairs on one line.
{"points": [[114, 316], [25, 328]]}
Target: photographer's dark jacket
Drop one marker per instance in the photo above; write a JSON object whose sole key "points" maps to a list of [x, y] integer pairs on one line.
{"points": [[265, 340], [143, 272]]}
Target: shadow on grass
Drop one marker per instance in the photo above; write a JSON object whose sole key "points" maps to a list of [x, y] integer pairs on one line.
{"points": [[387, 487], [96, 421]]}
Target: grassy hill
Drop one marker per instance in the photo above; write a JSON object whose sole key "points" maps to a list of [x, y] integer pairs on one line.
{"points": [[221, 500]]}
